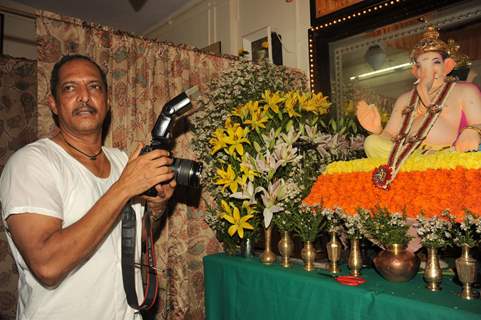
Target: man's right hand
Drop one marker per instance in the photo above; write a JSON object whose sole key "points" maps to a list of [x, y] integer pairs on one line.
{"points": [[369, 117], [145, 171]]}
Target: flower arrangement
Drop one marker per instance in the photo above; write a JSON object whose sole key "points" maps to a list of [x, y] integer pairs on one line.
{"points": [[354, 224], [333, 219], [384, 228], [419, 187], [468, 230], [435, 232], [260, 151], [308, 222], [242, 83], [260, 140]]}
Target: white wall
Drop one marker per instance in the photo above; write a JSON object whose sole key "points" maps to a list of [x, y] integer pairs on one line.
{"points": [[229, 20], [19, 32], [199, 25]]}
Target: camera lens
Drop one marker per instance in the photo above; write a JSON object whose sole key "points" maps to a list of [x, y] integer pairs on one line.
{"points": [[187, 172]]}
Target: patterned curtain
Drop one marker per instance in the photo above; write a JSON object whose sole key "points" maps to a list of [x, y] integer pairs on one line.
{"points": [[143, 75], [18, 126]]}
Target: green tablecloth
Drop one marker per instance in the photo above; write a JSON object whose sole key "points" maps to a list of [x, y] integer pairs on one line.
{"points": [[241, 288]]}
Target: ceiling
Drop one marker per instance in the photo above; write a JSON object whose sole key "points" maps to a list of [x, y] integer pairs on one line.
{"points": [[134, 16]]}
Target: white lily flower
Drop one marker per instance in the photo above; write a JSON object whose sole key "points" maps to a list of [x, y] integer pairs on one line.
{"points": [[271, 198], [247, 193]]}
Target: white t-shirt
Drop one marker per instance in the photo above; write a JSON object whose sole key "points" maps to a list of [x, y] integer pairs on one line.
{"points": [[43, 178]]}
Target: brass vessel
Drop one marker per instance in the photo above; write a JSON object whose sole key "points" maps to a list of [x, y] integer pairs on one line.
{"points": [[334, 253], [396, 264], [308, 254], [286, 247], [432, 271], [466, 267], [268, 257], [355, 260]]}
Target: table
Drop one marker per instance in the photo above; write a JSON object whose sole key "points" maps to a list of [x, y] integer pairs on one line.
{"points": [[244, 288]]}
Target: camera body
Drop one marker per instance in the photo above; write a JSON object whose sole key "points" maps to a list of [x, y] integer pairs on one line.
{"points": [[187, 172]]}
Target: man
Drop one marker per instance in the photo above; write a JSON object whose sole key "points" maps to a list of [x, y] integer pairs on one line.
{"points": [[62, 200]]}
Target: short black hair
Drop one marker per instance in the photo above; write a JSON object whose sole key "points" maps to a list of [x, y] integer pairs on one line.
{"points": [[56, 69]]}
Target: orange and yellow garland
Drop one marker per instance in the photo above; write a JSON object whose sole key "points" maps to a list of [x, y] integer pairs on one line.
{"points": [[429, 184]]}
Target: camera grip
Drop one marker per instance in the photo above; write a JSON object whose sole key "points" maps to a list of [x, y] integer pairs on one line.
{"points": [[151, 192]]}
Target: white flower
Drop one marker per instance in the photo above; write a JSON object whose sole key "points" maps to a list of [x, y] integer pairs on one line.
{"points": [[271, 199]]}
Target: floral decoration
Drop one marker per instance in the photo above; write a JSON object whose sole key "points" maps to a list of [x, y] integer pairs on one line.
{"points": [[354, 224], [468, 230], [260, 156], [308, 222], [435, 232], [385, 228], [334, 219], [260, 138], [421, 185]]}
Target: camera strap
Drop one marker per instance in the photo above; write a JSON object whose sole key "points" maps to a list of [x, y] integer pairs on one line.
{"points": [[129, 225]]}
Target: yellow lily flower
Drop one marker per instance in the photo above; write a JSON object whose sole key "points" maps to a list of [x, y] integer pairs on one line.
{"points": [[272, 100], [258, 119], [290, 105], [238, 223], [241, 111], [249, 172], [228, 179], [217, 141], [317, 104], [236, 135]]}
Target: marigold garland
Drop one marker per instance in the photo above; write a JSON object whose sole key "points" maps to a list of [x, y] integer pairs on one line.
{"points": [[426, 183]]}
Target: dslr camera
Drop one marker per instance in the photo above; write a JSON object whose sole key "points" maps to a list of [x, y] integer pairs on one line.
{"points": [[187, 172]]}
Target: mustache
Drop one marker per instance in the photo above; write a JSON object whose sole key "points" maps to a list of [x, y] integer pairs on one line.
{"points": [[84, 107]]}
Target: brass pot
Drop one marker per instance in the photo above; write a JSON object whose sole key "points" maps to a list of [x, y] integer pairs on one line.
{"points": [[268, 257], [466, 268], [355, 260], [308, 254], [396, 264], [334, 253], [286, 247], [432, 271]]}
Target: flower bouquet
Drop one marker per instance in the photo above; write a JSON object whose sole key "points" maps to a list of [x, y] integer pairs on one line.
{"points": [[308, 222], [262, 153], [385, 229], [435, 232]]}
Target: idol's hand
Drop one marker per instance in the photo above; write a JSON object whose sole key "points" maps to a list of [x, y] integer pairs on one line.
{"points": [[369, 117], [469, 140]]}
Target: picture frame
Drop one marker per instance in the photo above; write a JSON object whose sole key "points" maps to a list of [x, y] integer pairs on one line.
{"points": [[342, 25], [263, 44]]}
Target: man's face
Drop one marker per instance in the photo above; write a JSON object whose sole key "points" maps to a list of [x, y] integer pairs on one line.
{"points": [[81, 100]]}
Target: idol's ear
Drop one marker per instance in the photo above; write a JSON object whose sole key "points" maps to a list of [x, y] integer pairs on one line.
{"points": [[449, 65], [414, 71]]}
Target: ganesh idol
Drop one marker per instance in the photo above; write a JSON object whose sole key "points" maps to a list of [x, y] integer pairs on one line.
{"points": [[442, 113], [439, 113]]}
